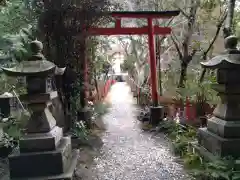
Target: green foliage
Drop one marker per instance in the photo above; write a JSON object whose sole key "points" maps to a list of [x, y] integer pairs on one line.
{"points": [[192, 161], [16, 47], [100, 63], [168, 127], [222, 169], [199, 168], [18, 21], [7, 141], [136, 53], [14, 16], [210, 5], [6, 83], [101, 108], [193, 89], [179, 136], [237, 22], [129, 64], [76, 98], [13, 128], [79, 130], [15, 124]]}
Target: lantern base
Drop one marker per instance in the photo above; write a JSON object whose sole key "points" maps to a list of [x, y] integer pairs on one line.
{"points": [[68, 175], [57, 164], [225, 129], [41, 141], [156, 115], [217, 145], [41, 121]]}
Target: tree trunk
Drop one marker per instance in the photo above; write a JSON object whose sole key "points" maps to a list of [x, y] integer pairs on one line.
{"points": [[81, 70], [183, 75], [82, 84], [227, 31]]}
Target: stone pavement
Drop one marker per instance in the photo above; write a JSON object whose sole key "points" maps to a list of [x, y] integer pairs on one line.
{"points": [[129, 153]]}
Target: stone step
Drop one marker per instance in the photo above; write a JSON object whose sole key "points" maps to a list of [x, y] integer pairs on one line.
{"points": [[44, 163], [217, 145], [39, 142], [67, 175]]}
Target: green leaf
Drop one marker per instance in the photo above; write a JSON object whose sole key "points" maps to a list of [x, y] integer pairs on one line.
{"points": [[14, 132], [218, 165], [236, 176]]}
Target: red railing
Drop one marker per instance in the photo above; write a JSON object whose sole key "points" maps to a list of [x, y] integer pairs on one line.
{"points": [[107, 86]]}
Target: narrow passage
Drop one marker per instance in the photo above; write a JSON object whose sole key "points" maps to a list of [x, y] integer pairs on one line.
{"points": [[128, 153]]}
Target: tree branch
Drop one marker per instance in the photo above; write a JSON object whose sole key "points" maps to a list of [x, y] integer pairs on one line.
{"points": [[125, 46], [229, 21], [164, 37], [193, 52], [191, 22], [160, 41], [182, 11], [177, 47], [219, 25], [142, 53]]}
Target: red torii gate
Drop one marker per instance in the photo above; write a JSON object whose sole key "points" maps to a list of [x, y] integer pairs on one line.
{"points": [[149, 30]]}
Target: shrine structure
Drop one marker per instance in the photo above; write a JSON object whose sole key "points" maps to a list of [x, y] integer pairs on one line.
{"points": [[150, 30]]}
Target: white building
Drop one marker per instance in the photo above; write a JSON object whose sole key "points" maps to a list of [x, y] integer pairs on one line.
{"points": [[116, 57]]}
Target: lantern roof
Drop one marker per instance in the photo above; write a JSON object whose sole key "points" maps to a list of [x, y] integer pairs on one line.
{"points": [[229, 58], [36, 65]]}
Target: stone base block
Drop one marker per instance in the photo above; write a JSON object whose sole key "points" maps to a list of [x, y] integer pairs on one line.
{"points": [[203, 152], [39, 98], [41, 141], [226, 129], [156, 115], [67, 175], [37, 164], [217, 145], [41, 121]]}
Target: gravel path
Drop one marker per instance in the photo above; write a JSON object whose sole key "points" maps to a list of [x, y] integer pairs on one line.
{"points": [[129, 153]]}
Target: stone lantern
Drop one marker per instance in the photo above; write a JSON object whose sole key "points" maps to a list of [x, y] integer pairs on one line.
{"points": [[221, 137], [43, 151]]}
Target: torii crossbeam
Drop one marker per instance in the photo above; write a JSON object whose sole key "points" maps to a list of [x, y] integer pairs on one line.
{"points": [[149, 30]]}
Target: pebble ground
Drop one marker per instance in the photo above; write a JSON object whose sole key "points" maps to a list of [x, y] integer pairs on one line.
{"points": [[129, 153]]}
